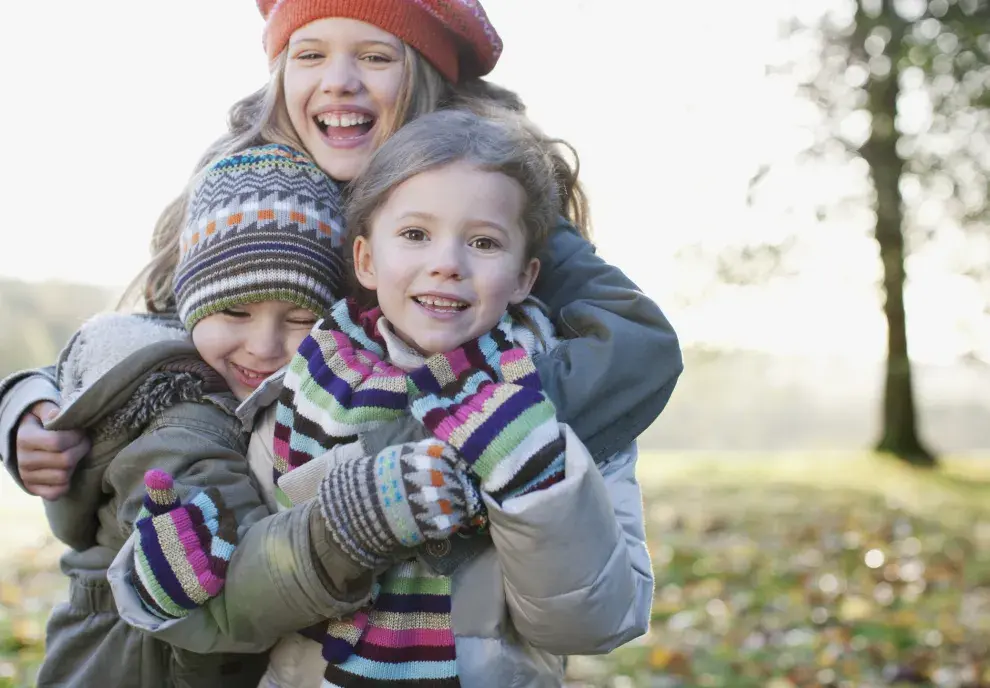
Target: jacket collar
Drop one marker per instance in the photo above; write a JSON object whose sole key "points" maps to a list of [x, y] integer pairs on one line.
{"points": [[260, 399]]}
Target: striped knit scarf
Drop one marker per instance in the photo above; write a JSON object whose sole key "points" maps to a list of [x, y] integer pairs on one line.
{"points": [[337, 386], [403, 636]]}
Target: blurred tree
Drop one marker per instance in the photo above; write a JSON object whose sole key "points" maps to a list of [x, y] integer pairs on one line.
{"points": [[903, 86]]}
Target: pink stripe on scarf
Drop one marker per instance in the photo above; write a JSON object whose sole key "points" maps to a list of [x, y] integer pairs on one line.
{"points": [[384, 637], [460, 414], [513, 355], [458, 361]]}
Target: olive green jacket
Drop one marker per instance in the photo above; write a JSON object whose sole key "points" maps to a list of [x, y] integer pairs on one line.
{"points": [[137, 386]]}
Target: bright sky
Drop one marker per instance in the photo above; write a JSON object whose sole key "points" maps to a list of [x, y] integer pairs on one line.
{"points": [[110, 104]]}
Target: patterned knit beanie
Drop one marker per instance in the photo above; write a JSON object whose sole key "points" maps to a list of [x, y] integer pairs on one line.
{"points": [[455, 36], [262, 225]]}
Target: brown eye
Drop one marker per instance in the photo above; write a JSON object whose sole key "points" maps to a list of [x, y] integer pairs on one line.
{"points": [[413, 234], [485, 244]]}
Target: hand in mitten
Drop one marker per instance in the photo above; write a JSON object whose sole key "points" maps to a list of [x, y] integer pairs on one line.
{"points": [[485, 400], [181, 557], [375, 506]]}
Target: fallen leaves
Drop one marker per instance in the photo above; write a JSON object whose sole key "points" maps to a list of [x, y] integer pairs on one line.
{"points": [[30, 585], [800, 586], [760, 584]]}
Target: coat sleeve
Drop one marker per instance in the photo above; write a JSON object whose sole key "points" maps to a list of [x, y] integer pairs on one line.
{"points": [[200, 446], [18, 393], [73, 516], [272, 585], [577, 573], [276, 585], [285, 574], [619, 347]]}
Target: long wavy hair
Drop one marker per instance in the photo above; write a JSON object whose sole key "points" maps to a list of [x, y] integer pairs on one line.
{"points": [[262, 118]]}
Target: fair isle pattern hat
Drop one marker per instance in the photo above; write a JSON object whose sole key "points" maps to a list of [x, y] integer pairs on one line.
{"points": [[455, 36], [262, 225]]}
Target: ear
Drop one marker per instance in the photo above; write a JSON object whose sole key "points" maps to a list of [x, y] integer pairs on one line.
{"points": [[527, 278], [364, 266]]}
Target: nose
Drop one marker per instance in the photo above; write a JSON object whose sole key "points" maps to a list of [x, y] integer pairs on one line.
{"points": [[447, 260], [265, 343], [341, 77]]}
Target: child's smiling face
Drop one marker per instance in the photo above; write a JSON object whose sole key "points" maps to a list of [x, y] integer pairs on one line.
{"points": [[342, 82], [248, 342], [446, 255]]}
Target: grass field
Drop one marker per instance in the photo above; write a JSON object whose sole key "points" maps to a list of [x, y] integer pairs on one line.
{"points": [[783, 571]]}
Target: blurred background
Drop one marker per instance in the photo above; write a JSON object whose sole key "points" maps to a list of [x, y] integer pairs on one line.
{"points": [[800, 184]]}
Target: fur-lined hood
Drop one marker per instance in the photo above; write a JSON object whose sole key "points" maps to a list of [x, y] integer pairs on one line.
{"points": [[120, 370], [105, 340]]}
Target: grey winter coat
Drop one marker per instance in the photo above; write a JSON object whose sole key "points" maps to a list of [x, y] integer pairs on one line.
{"points": [[136, 384]]}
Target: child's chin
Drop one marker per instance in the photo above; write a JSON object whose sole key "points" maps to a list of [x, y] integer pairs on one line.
{"points": [[439, 345], [240, 393]]}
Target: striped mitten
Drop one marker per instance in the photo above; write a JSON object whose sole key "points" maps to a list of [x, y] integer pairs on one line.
{"points": [[180, 561], [404, 496], [502, 424]]}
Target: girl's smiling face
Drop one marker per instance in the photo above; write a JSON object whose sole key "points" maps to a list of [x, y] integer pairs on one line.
{"points": [[342, 82], [247, 343], [446, 255]]}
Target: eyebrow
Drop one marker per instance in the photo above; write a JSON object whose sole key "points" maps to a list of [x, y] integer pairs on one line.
{"points": [[419, 215], [489, 224], [416, 215], [361, 44]]}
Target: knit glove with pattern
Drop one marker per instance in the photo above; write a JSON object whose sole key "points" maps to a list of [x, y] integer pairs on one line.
{"points": [[181, 557], [485, 400], [408, 494]]}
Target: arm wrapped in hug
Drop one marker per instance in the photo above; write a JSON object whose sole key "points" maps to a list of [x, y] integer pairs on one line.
{"points": [[619, 360]]}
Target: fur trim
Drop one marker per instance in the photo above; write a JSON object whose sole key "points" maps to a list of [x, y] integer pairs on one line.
{"points": [[104, 341], [159, 392]]}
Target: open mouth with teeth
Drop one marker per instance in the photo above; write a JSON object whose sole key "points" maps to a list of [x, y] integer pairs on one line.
{"points": [[249, 376], [441, 305], [344, 125]]}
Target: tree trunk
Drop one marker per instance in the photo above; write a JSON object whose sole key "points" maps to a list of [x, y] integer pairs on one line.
{"points": [[899, 430]]}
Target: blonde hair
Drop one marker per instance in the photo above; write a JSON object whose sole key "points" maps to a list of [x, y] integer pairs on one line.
{"points": [[262, 117]]}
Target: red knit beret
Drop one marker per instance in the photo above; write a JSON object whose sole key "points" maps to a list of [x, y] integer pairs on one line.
{"points": [[454, 35]]}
